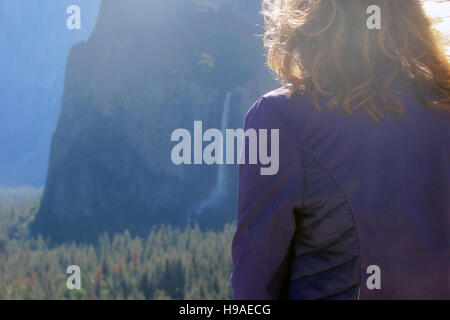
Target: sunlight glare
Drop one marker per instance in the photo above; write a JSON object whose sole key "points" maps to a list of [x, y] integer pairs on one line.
{"points": [[439, 11]]}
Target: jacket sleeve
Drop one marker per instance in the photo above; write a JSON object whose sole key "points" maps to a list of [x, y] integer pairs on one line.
{"points": [[266, 223]]}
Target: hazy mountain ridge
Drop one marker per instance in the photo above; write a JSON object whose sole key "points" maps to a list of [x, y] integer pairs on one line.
{"points": [[34, 44]]}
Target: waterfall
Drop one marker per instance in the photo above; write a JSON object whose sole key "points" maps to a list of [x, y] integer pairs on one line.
{"points": [[219, 188], [221, 182]]}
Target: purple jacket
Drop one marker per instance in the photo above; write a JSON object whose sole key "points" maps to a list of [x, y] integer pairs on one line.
{"points": [[350, 193]]}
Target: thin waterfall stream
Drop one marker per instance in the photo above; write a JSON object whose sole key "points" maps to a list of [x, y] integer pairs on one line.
{"points": [[219, 189]]}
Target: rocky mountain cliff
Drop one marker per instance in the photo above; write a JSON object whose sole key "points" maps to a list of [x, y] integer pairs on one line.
{"points": [[150, 67]]}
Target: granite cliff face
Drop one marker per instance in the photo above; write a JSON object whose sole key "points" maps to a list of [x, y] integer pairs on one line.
{"points": [[150, 67]]}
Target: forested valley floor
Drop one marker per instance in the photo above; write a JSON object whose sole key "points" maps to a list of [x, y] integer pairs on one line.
{"points": [[168, 264]]}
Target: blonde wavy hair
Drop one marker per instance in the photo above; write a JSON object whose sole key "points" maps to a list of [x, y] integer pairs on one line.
{"points": [[324, 47]]}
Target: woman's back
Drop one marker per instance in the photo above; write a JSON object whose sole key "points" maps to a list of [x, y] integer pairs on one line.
{"points": [[394, 178], [360, 206], [361, 194]]}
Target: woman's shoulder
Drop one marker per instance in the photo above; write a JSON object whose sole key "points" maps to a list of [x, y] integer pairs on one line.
{"points": [[276, 98], [277, 107], [266, 112]]}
